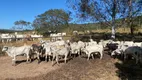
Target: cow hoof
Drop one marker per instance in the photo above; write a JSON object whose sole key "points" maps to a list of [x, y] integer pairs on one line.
{"points": [[13, 64], [27, 62], [39, 62]]}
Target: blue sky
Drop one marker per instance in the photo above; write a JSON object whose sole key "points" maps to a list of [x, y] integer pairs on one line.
{"points": [[13, 10]]}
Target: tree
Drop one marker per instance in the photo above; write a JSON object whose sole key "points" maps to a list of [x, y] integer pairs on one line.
{"points": [[22, 25], [130, 10], [53, 19], [103, 11]]}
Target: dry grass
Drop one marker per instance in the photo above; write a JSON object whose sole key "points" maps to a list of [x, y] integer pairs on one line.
{"points": [[118, 30]]}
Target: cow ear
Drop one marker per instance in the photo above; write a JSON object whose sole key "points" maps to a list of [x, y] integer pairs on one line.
{"points": [[5, 47]]}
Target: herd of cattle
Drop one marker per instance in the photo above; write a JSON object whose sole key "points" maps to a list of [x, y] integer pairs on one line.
{"points": [[14, 37], [65, 49]]}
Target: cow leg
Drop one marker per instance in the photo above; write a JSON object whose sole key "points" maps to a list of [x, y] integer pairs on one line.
{"points": [[137, 57], [13, 61], [125, 56], [53, 59], [88, 56], [121, 55], [78, 53], [57, 59], [46, 57], [65, 58], [92, 56], [140, 58], [38, 57], [101, 54], [28, 58], [49, 58]]}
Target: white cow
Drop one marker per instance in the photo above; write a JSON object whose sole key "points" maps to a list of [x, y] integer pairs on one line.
{"points": [[8, 37], [77, 47], [93, 48], [128, 43], [139, 44], [20, 36], [57, 36], [15, 51], [120, 50], [60, 52], [64, 34], [92, 42], [47, 47], [74, 48]]}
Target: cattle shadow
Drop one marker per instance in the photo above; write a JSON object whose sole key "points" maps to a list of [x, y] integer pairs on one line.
{"points": [[25, 61], [20, 61], [61, 60], [129, 70]]}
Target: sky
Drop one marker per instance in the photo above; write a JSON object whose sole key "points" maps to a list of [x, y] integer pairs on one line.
{"points": [[14, 10]]}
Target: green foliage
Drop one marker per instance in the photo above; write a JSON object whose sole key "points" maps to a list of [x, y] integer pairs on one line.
{"points": [[21, 25], [54, 19], [107, 12]]}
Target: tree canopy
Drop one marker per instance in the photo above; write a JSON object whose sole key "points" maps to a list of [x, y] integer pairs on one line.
{"points": [[53, 19], [106, 11], [21, 25]]}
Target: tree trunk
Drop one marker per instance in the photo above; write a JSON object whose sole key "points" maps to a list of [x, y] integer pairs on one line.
{"points": [[113, 19], [113, 30], [130, 18], [131, 28]]}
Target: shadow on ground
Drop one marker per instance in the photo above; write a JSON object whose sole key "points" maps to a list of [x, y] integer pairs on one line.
{"points": [[129, 70]]}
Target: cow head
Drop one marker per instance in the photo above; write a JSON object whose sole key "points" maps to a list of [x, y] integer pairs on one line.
{"points": [[5, 48]]}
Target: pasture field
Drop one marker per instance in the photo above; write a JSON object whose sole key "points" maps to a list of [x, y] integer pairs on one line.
{"points": [[77, 68]]}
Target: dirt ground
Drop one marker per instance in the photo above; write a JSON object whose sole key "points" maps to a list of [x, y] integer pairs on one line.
{"points": [[76, 69], [22, 69]]}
